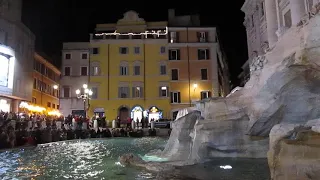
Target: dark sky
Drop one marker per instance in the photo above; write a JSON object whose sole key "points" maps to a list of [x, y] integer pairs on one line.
{"points": [[57, 21]]}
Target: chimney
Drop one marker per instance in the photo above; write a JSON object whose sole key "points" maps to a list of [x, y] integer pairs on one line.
{"points": [[171, 14]]}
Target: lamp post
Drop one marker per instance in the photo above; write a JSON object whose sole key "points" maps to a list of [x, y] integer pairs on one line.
{"points": [[55, 87], [85, 96]]}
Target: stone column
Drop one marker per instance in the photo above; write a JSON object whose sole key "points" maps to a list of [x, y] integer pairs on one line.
{"points": [[15, 105], [272, 21], [298, 10]]}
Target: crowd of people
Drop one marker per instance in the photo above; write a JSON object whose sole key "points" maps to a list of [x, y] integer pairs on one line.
{"points": [[29, 130]]}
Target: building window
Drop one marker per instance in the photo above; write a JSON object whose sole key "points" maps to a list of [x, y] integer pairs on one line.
{"points": [[136, 70], [137, 50], [204, 74], [34, 100], [137, 92], [203, 54], [205, 94], [49, 104], [58, 106], [123, 50], [162, 49], [123, 70], [84, 71], [53, 105], [67, 56], [174, 54], [287, 19], [95, 51], [67, 71], [202, 36], [94, 93], [66, 92], [252, 20], [175, 97], [84, 55], [123, 92], [174, 37], [174, 74], [262, 9], [95, 71], [34, 83], [163, 69], [163, 91]]}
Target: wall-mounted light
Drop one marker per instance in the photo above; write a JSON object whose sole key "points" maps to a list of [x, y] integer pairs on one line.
{"points": [[195, 86], [55, 86]]}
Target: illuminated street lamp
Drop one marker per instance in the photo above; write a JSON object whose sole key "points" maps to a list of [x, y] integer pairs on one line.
{"points": [[55, 87], [85, 96]]}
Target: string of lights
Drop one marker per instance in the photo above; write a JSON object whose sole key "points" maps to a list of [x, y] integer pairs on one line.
{"points": [[146, 33]]}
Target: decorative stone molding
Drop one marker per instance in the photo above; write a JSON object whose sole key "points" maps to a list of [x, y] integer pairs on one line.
{"points": [[258, 63], [265, 47], [281, 31], [313, 12]]}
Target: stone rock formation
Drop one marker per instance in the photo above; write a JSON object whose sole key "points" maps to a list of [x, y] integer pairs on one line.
{"points": [[284, 87], [294, 152]]}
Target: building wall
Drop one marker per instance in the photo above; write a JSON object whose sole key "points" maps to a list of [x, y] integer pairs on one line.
{"points": [[75, 80], [17, 36], [150, 59], [45, 77]]}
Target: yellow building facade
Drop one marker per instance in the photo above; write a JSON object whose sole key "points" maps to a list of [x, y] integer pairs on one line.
{"points": [[142, 69], [46, 77], [125, 65]]}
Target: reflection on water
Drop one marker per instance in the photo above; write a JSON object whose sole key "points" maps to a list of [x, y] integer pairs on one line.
{"points": [[98, 159], [80, 159]]}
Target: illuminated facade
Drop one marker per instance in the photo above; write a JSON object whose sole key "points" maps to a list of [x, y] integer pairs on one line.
{"points": [[46, 78], [145, 69], [75, 71], [16, 52]]}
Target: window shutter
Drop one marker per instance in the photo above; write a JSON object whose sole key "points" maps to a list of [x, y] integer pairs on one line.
{"points": [[208, 53], [119, 92], [120, 70], [133, 92], [168, 95], [160, 91], [209, 94], [199, 54], [177, 36], [198, 35], [171, 97], [141, 92], [178, 54], [207, 36], [127, 70], [179, 97]]}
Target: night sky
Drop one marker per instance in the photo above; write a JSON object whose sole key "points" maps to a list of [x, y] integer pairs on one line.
{"points": [[57, 21]]}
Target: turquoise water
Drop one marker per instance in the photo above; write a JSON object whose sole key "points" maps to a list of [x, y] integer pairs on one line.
{"points": [[79, 159], [98, 159]]}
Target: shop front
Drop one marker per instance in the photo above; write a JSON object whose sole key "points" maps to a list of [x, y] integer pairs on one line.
{"points": [[99, 112], [5, 105], [137, 113], [154, 113]]}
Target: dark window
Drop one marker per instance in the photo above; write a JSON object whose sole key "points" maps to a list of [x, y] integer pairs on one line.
{"points": [[137, 70], [175, 97], [163, 91], [66, 92], [174, 74], [49, 104], [203, 54], [137, 50], [84, 56], [123, 50], [84, 71], [174, 54], [67, 71], [163, 70], [204, 74], [34, 83], [67, 56], [95, 50], [205, 94]]}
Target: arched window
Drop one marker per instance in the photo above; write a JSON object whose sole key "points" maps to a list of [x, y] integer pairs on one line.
{"points": [[124, 68]]}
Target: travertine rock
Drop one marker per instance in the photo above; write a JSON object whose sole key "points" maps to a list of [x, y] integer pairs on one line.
{"points": [[294, 152], [285, 89]]}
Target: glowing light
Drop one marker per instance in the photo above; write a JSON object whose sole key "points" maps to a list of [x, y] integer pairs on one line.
{"points": [[90, 93], [7, 66], [85, 86], [226, 167], [31, 107], [195, 86], [146, 33], [55, 87], [163, 88], [54, 113], [86, 91], [77, 91]]}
